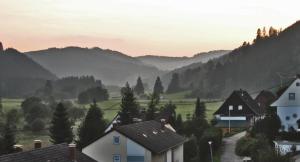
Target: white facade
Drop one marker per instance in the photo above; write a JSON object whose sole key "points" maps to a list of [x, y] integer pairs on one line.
{"points": [[288, 106], [284, 147], [106, 149]]}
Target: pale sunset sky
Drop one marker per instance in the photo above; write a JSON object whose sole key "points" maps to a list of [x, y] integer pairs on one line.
{"points": [[140, 27]]}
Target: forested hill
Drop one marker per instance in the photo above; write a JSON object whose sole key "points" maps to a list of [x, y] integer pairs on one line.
{"points": [[112, 67], [19, 75], [253, 67], [171, 63], [14, 64]]}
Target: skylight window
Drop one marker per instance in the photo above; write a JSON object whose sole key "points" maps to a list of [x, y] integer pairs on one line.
{"points": [[145, 135], [155, 132]]}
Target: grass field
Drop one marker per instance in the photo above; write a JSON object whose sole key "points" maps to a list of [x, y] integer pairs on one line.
{"points": [[110, 108]]}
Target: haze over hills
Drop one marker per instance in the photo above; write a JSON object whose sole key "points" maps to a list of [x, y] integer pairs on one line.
{"points": [[171, 63], [112, 67], [20, 73], [252, 67]]}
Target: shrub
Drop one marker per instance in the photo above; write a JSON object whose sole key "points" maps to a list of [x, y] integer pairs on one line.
{"points": [[210, 134], [37, 125], [190, 150], [245, 146]]}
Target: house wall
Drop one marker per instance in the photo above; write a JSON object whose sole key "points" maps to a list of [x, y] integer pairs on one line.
{"points": [[158, 157], [103, 149], [284, 112], [178, 154]]}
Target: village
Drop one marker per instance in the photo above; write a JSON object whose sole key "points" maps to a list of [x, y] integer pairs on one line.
{"points": [[248, 125]]}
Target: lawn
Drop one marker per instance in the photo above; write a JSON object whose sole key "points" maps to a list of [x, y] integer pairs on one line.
{"points": [[110, 108]]}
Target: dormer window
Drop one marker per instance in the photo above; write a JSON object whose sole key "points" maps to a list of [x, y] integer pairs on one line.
{"points": [[292, 96], [230, 107], [298, 84]]}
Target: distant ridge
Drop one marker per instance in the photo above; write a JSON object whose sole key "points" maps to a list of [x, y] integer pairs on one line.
{"points": [[171, 63], [112, 67]]}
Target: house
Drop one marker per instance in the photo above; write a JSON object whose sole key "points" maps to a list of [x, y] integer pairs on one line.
{"points": [[55, 153], [148, 141], [284, 147], [288, 107], [238, 111], [264, 99]]}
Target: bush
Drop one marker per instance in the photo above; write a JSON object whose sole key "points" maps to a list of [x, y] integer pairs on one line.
{"points": [[190, 150], [97, 93], [270, 156], [37, 125], [245, 146], [210, 134]]}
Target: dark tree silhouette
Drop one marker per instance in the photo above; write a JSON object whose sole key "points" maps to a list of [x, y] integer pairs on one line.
{"points": [[174, 85], [200, 109], [61, 129], [139, 87], [158, 87], [152, 109], [129, 106], [8, 139], [92, 127]]}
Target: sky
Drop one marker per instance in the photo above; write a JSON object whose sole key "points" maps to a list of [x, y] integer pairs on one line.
{"points": [[140, 27]]}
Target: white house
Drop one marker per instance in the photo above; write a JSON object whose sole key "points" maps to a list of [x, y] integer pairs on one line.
{"points": [[149, 141], [284, 147], [288, 107]]}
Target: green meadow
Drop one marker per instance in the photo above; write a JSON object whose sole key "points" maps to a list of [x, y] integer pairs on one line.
{"points": [[110, 109]]}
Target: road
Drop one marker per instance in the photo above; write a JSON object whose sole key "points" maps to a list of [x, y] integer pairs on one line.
{"points": [[228, 154]]}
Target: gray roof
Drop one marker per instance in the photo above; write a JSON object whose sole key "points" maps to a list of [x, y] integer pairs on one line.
{"points": [[151, 135], [244, 95], [54, 153]]}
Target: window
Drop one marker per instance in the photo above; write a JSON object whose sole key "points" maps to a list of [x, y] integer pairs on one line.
{"points": [[297, 84], [230, 107], [117, 158], [116, 140], [240, 107], [292, 96], [287, 118]]}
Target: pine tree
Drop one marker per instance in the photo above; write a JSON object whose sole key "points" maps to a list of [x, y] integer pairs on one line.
{"points": [[8, 139], [139, 88], [200, 109], [129, 106], [61, 128], [152, 109], [92, 127], [174, 85], [158, 87]]}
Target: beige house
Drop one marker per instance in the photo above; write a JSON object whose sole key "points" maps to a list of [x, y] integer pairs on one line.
{"points": [[149, 141]]}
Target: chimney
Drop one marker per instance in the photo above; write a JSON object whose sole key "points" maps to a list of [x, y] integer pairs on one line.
{"points": [[163, 123], [72, 152], [37, 144], [18, 148]]}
